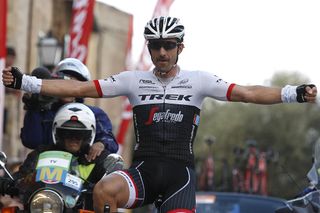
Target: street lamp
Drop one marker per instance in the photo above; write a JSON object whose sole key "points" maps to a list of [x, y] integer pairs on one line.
{"points": [[50, 51]]}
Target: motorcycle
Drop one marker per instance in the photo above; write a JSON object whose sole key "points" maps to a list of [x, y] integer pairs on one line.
{"points": [[309, 200], [57, 188]]}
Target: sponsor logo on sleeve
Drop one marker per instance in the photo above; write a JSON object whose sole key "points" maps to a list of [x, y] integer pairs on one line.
{"points": [[110, 79]]}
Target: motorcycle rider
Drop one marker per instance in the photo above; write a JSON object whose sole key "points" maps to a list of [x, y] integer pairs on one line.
{"points": [[40, 111], [73, 131]]}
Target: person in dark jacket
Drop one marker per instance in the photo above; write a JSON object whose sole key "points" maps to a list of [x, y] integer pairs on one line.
{"points": [[40, 111]]}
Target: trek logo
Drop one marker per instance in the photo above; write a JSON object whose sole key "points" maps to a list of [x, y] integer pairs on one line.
{"points": [[167, 116], [174, 97]]}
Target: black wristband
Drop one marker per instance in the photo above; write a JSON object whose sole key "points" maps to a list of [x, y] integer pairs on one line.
{"points": [[301, 92]]}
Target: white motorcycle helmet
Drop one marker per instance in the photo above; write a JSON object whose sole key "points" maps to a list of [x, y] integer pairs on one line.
{"points": [[164, 28], [74, 119], [73, 67]]}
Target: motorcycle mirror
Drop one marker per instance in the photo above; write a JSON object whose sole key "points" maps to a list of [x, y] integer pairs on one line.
{"points": [[317, 153], [313, 174], [3, 161], [3, 158]]}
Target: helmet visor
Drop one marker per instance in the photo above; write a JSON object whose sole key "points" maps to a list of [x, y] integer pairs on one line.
{"points": [[63, 133]]}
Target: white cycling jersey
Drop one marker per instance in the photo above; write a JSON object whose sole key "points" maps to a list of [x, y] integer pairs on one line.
{"points": [[166, 115]]}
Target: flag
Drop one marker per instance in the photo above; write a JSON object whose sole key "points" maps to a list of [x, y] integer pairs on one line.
{"points": [[127, 111], [80, 30], [3, 30]]}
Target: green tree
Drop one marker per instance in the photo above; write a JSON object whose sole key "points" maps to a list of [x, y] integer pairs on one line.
{"points": [[286, 128]]}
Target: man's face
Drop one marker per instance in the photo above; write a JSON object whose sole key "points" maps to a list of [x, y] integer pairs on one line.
{"points": [[164, 53], [72, 144]]}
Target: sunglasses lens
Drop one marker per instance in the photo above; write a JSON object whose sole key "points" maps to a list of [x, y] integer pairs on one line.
{"points": [[74, 134], [167, 45], [154, 45]]}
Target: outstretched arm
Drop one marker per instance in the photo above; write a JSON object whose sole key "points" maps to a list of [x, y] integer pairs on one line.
{"points": [[12, 77], [69, 88], [270, 95]]}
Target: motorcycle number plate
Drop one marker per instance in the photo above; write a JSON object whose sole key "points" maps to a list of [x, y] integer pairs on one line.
{"points": [[73, 182]]}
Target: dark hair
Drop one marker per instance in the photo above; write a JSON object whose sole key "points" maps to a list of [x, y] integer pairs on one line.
{"points": [[41, 72], [11, 51]]}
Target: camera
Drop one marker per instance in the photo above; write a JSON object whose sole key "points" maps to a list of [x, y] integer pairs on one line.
{"points": [[37, 101]]}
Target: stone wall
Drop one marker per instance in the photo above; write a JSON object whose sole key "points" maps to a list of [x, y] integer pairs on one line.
{"points": [[28, 19]]}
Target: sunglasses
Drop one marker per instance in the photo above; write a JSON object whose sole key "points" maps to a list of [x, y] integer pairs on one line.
{"points": [[167, 45]]}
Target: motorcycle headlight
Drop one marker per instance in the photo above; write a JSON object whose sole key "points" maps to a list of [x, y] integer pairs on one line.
{"points": [[46, 201]]}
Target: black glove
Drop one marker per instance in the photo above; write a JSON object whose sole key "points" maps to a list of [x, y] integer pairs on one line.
{"points": [[7, 187], [17, 75], [301, 92], [113, 163]]}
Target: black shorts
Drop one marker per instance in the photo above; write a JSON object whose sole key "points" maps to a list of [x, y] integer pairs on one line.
{"points": [[168, 184]]}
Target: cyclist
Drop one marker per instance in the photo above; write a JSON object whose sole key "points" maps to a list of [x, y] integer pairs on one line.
{"points": [[166, 111]]}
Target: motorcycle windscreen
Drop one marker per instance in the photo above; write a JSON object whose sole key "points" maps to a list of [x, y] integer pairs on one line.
{"points": [[53, 169]]}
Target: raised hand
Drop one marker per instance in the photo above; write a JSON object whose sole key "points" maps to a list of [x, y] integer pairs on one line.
{"points": [[12, 77], [306, 93]]}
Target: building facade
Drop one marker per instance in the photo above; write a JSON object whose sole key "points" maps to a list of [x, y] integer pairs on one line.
{"points": [[28, 20]]}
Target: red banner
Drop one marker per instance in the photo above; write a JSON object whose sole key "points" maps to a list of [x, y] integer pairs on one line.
{"points": [[126, 115], [3, 32], [80, 29], [162, 8]]}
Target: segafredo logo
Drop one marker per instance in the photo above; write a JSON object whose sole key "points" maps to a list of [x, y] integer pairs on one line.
{"points": [[166, 116]]}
